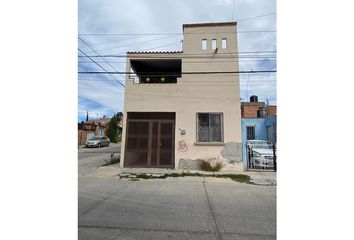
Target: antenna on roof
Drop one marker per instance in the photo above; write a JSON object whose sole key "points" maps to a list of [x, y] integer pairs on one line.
{"points": [[233, 10], [247, 84]]}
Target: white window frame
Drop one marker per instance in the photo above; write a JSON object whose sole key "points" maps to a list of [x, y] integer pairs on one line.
{"points": [[204, 44], [213, 43], [224, 43]]}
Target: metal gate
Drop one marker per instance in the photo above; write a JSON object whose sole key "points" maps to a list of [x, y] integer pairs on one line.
{"points": [[150, 143], [258, 160]]}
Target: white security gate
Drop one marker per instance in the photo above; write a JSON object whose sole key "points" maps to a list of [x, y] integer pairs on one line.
{"points": [[260, 159]]}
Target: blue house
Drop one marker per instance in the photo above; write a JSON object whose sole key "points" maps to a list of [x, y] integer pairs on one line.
{"points": [[259, 122]]}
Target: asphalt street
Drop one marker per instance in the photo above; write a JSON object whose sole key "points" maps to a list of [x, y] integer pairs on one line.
{"points": [[172, 208], [91, 158]]}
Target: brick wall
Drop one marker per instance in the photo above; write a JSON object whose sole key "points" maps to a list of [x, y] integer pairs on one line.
{"points": [[249, 109], [82, 135], [271, 110]]}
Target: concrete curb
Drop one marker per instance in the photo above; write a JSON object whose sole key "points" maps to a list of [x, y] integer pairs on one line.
{"points": [[263, 182], [114, 171]]}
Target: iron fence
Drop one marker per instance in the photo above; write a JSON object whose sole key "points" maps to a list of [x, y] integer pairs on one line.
{"points": [[258, 160]]}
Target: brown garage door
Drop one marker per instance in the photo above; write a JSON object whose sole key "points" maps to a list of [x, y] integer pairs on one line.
{"points": [[150, 143]]}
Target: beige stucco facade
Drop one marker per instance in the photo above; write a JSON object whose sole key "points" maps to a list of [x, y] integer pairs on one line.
{"points": [[195, 93]]}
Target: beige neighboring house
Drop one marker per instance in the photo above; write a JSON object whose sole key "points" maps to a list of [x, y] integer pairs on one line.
{"points": [[174, 116]]}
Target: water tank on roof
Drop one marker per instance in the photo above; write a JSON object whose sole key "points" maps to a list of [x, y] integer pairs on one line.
{"points": [[253, 98]]}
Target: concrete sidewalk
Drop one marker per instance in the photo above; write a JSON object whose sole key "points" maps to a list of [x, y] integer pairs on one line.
{"points": [[179, 208], [115, 171]]}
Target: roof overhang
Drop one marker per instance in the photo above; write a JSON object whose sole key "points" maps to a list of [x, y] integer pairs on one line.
{"points": [[209, 24]]}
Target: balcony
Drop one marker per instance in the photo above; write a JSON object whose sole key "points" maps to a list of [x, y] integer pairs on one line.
{"points": [[157, 71]]}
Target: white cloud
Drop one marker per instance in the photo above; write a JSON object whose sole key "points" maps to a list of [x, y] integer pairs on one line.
{"points": [[156, 16]]}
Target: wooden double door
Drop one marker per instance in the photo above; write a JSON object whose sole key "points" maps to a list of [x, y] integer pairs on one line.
{"points": [[150, 143]]}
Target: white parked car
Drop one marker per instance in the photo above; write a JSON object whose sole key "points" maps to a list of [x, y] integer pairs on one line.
{"points": [[262, 153], [98, 141]]}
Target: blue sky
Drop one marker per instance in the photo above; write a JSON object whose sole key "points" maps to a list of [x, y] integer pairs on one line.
{"points": [[103, 95]]}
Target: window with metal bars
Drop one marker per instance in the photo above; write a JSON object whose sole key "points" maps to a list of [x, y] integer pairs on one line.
{"points": [[210, 127], [250, 132]]}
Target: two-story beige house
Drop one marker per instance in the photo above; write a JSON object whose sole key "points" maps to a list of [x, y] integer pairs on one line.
{"points": [[184, 106]]}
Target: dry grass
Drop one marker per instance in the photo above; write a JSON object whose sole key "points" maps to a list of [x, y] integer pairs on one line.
{"points": [[211, 165], [236, 177], [113, 160]]}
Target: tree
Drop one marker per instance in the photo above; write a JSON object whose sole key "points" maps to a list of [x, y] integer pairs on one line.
{"points": [[113, 127]]}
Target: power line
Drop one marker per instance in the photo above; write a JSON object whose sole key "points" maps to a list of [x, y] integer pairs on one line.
{"points": [[172, 95], [201, 88], [101, 67], [124, 40], [240, 54], [146, 56], [257, 84], [173, 90], [246, 53], [137, 34], [189, 92], [155, 39], [180, 54], [189, 62], [203, 54], [178, 74], [97, 113], [145, 41], [170, 44], [205, 80], [150, 40], [264, 15], [90, 108], [86, 108], [99, 55]]}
